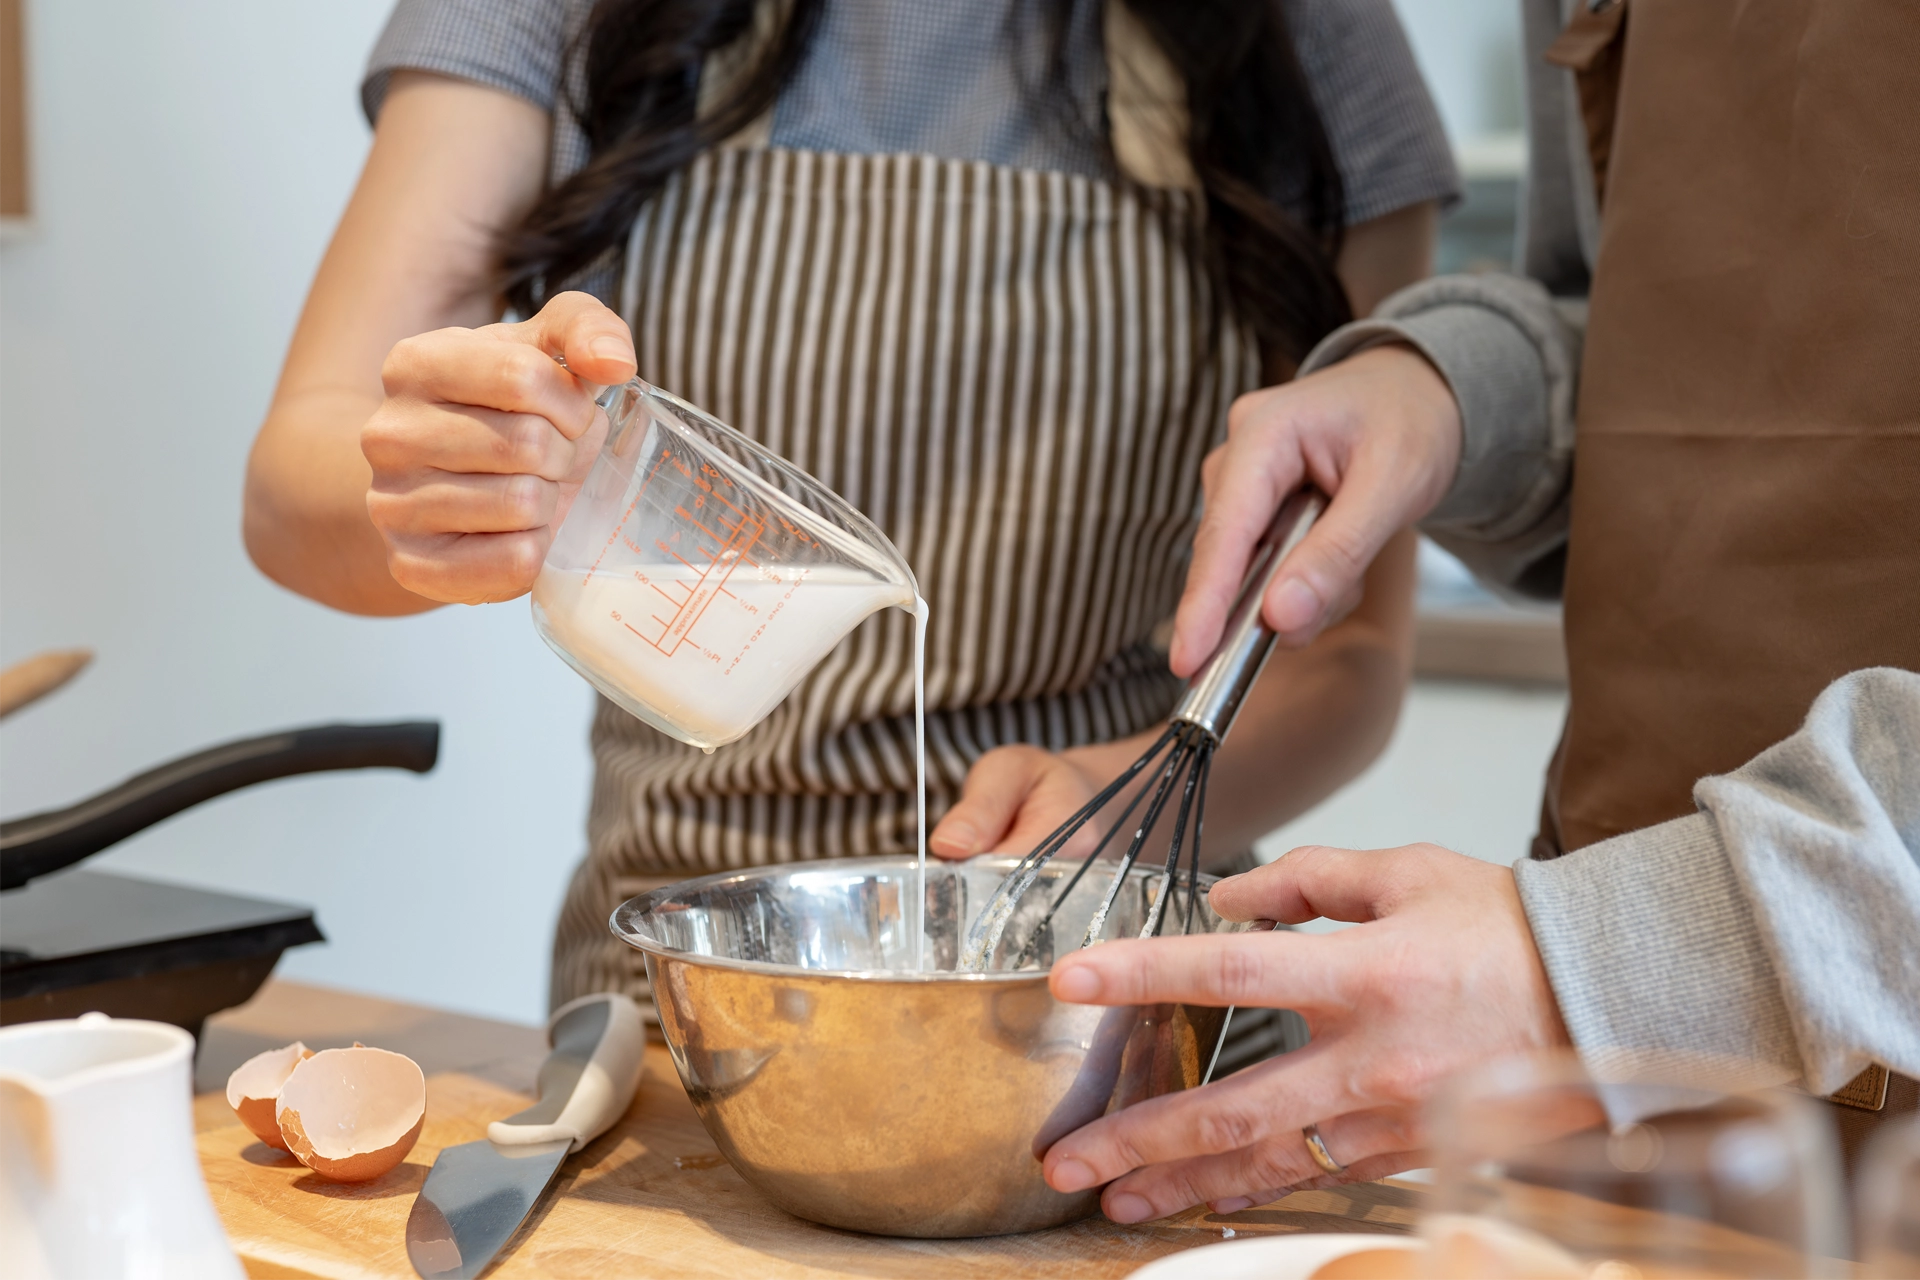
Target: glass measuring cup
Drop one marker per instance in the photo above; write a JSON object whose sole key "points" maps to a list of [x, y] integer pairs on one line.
{"points": [[698, 576]]}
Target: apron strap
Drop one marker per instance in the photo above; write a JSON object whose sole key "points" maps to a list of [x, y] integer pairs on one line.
{"points": [[1591, 47]]}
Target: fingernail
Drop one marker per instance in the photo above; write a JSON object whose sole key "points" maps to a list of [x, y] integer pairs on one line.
{"points": [[1076, 982], [1294, 606], [1233, 1204], [1071, 1175], [609, 348], [1128, 1208]]}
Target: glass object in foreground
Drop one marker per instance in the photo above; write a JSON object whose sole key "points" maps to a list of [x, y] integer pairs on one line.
{"points": [[1543, 1171], [1888, 1191]]}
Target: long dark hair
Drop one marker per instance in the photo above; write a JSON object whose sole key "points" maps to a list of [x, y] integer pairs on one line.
{"points": [[1256, 143]]}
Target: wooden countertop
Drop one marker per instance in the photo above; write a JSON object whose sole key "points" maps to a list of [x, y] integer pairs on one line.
{"points": [[651, 1197]]}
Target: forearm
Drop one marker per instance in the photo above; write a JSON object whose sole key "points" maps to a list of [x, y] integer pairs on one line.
{"points": [[1779, 926], [452, 164], [1652, 950], [1509, 348], [305, 520], [1510, 355]]}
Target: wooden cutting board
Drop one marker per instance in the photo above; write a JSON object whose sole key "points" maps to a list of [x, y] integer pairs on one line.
{"points": [[653, 1198]]}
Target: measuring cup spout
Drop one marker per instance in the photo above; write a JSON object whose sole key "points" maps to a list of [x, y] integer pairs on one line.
{"points": [[698, 576]]}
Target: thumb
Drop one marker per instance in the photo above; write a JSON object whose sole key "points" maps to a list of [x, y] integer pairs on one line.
{"points": [[993, 793], [1321, 578], [596, 343], [1238, 510]]}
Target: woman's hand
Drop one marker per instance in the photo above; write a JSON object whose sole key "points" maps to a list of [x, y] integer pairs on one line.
{"points": [[1379, 433], [1014, 797], [1442, 973], [482, 442]]}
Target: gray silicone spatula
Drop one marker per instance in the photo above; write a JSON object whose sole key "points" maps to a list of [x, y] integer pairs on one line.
{"points": [[478, 1193]]}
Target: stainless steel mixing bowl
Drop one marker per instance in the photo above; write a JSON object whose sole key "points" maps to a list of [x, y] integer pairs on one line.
{"points": [[854, 1092]]}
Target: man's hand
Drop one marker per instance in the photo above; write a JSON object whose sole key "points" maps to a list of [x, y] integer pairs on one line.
{"points": [[1379, 433], [1440, 974]]}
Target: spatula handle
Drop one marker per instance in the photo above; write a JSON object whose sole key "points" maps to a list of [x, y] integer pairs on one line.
{"points": [[588, 1081], [29, 681]]}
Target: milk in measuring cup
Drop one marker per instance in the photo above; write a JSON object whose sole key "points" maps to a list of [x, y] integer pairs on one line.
{"points": [[701, 661], [698, 577]]}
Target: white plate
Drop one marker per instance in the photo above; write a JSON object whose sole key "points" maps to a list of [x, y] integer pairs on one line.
{"points": [[1265, 1257]]}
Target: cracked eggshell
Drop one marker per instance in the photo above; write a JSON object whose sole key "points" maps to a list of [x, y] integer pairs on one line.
{"points": [[1463, 1245], [352, 1114], [253, 1089], [1397, 1263]]}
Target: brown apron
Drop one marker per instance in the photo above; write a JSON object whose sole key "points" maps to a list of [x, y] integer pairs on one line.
{"points": [[1746, 497]]}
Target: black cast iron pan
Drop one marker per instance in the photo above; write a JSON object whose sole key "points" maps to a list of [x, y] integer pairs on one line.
{"points": [[45, 842], [130, 947]]}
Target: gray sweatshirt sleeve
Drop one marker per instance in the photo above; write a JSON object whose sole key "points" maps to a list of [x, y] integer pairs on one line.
{"points": [[1779, 925], [1509, 347], [1511, 356]]}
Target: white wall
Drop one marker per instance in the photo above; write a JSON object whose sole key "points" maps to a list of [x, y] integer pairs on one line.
{"points": [[189, 163], [1469, 51], [1463, 771], [190, 160]]}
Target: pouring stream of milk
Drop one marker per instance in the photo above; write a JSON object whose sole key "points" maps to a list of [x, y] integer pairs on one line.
{"points": [[920, 612], [712, 683]]}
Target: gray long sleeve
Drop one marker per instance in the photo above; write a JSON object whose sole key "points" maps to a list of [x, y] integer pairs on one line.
{"points": [[1779, 925], [1509, 347], [1511, 355]]}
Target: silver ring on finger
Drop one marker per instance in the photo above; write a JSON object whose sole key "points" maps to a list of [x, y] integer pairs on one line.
{"points": [[1318, 1150]]}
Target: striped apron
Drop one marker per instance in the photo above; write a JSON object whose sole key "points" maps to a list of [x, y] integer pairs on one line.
{"points": [[1016, 374]]}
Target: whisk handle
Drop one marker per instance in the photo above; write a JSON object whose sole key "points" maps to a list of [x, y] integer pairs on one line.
{"points": [[1213, 700]]}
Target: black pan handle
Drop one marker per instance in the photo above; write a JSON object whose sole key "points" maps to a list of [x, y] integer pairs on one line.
{"points": [[45, 842]]}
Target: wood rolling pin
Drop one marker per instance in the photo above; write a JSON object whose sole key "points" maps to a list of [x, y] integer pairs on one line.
{"points": [[38, 676]]}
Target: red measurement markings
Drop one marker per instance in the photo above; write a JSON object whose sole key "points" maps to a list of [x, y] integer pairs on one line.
{"points": [[627, 515], [716, 534]]}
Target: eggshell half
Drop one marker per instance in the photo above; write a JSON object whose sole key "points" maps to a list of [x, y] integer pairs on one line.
{"points": [[254, 1088], [352, 1114], [1463, 1245], [1375, 1264]]}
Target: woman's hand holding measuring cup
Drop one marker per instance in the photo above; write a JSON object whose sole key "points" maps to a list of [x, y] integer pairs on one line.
{"points": [[482, 442]]}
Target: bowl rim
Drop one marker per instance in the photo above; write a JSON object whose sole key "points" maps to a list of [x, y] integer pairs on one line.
{"points": [[640, 903]]}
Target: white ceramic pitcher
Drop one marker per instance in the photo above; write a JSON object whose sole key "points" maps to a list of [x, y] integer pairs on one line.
{"points": [[98, 1174]]}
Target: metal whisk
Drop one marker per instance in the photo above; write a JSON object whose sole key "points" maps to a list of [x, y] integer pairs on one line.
{"points": [[1178, 761]]}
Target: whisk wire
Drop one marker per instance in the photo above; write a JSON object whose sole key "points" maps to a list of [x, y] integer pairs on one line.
{"points": [[1042, 928], [1169, 886], [992, 922], [1176, 760], [1181, 756], [1199, 828], [1118, 824]]}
